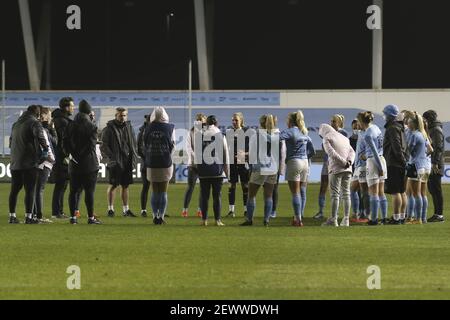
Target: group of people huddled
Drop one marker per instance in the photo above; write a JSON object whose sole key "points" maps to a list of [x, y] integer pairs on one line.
{"points": [[359, 169], [404, 162]]}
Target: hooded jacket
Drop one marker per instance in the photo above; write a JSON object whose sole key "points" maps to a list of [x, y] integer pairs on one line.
{"points": [[394, 144], [214, 167], [338, 149], [27, 142], [116, 140], [437, 142], [141, 143], [80, 142], [61, 121]]}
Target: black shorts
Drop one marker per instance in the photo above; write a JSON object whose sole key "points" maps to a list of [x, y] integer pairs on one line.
{"points": [[239, 172], [119, 176], [395, 182]]}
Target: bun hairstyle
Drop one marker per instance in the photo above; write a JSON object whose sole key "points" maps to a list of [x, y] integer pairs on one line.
{"points": [[200, 117], [267, 122], [340, 120], [298, 119], [211, 120], [365, 117]]}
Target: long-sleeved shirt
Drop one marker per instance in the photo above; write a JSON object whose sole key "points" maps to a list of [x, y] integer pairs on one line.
{"points": [[418, 149], [296, 143], [338, 149], [374, 142], [270, 162], [217, 165], [360, 150]]}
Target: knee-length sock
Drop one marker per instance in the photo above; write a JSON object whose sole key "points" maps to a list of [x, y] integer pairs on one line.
{"points": [[297, 205], [410, 208], [374, 205], [251, 204], [303, 196], [424, 207], [384, 207], [355, 201], [418, 207], [321, 203], [268, 203]]}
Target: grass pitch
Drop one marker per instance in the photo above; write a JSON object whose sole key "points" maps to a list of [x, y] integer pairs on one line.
{"points": [[130, 258]]}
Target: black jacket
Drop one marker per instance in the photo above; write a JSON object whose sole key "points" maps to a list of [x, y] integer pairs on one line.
{"points": [[437, 142], [140, 142], [61, 121], [27, 142], [52, 135], [80, 140], [112, 147], [394, 144]]}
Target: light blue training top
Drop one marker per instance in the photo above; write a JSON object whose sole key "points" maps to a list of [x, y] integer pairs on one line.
{"points": [[374, 144], [418, 149], [298, 145], [360, 150]]}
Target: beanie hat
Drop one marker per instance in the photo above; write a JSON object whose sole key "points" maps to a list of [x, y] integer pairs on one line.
{"points": [[391, 111], [84, 107]]}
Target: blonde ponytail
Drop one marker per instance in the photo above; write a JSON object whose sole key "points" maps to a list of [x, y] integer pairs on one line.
{"points": [[270, 123], [421, 126], [339, 119], [300, 122]]}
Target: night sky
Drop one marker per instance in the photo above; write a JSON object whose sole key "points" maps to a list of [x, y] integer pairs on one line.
{"points": [[270, 44]]}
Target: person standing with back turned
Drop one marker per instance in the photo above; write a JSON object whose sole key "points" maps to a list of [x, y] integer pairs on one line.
{"points": [[60, 171], [80, 143]]}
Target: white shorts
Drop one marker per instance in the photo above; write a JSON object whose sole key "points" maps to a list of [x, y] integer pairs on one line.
{"points": [[422, 175], [297, 170], [372, 171], [257, 178], [360, 175]]}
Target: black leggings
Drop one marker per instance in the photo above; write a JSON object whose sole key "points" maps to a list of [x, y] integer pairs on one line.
{"points": [[61, 182], [79, 182], [192, 180], [27, 179], [435, 188], [40, 186], [145, 188], [206, 184]]}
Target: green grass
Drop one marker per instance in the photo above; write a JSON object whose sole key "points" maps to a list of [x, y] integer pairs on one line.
{"points": [[132, 259]]}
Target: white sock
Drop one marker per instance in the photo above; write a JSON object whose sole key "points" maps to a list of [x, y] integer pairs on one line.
{"points": [[12, 214], [126, 208], [111, 207], [232, 207], [199, 209], [29, 215], [245, 208], [396, 216], [143, 210], [185, 209], [92, 218], [402, 216]]}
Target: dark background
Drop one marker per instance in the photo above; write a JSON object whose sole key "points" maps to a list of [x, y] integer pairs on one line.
{"points": [[258, 44]]}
